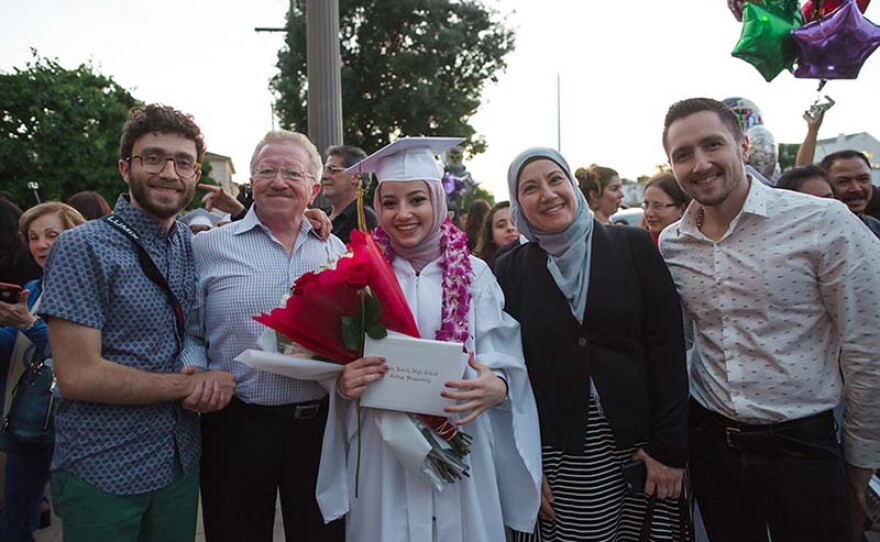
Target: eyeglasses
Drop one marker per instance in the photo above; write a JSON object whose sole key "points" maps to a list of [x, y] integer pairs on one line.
{"points": [[333, 170], [154, 162], [267, 173], [656, 205]]}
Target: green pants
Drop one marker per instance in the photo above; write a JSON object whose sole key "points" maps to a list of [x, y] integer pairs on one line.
{"points": [[91, 515]]}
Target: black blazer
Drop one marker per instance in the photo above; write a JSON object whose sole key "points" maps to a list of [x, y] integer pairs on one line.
{"points": [[630, 343]]}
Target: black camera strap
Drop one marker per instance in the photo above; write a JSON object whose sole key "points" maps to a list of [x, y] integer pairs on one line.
{"points": [[151, 271]]}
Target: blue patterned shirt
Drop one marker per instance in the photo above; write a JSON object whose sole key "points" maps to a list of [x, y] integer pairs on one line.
{"points": [[93, 278], [244, 271]]}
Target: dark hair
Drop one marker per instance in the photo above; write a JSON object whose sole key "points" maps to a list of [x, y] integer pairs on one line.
{"points": [[90, 204], [795, 177], [13, 251], [691, 106], [829, 160], [350, 154], [476, 213], [155, 119], [667, 183], [486, 246], [593, 180]]}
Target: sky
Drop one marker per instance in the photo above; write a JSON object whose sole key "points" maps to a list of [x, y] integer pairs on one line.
{"points": [[620, 65]]}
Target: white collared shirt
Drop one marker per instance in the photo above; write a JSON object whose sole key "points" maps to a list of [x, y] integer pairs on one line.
{"points": [[779, 307]]}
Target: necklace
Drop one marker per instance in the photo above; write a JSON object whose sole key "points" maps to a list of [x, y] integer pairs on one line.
{"points": [[456, 280], [700, 217]]}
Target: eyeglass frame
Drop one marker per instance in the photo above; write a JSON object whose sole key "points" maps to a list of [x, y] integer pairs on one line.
{"points": [[333, 170], [656, 205], [197, 166], [264, 176]]}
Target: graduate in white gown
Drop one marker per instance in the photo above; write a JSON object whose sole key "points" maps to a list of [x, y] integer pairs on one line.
{"points": [[396, 502]]}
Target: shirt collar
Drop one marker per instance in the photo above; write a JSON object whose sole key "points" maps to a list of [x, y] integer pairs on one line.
{"points": [[145, 225], [251, 221], [757, 203]]}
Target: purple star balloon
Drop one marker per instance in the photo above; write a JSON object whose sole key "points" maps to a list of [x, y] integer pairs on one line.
{"points": [[836, 46]]}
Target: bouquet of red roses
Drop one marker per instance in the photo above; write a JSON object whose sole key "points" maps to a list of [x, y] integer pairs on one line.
{"points": [[330, 311]]}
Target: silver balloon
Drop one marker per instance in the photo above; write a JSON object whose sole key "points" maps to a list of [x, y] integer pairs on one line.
{"points": [[763, 155]]}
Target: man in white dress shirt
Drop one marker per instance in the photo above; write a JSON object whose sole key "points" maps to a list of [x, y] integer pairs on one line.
{"points": [[781, 297]]}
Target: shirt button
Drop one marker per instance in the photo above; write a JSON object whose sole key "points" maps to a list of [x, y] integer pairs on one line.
{"points": [[582, 342]]}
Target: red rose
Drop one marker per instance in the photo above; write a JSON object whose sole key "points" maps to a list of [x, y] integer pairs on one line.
{"points": [[357, 275]]}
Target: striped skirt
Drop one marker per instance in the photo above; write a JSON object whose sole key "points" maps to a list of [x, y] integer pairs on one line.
{"points": [[590, 500]]}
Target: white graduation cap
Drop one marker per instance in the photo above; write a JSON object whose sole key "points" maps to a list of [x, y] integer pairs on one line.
{"points": [[407, 159], [200, 217]]}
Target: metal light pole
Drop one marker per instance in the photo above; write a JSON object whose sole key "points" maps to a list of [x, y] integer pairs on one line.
{"points": [[323, 68]]}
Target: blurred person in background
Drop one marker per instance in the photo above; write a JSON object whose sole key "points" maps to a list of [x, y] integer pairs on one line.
{"points": [[603, 189], [476, 214], [498, 231], [664, 203], [340, 189], [850, 173], [90, 204], [27, 466], [811, 180], [16, 264]]}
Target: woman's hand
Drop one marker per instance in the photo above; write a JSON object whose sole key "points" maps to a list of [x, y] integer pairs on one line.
{"points": [[481, 393], [17, 314], [357, 374], [546, 510], [665, 480]]}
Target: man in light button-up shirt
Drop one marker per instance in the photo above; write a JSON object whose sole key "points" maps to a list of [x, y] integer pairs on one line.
{"points": [[781, 296], [267, 441]]}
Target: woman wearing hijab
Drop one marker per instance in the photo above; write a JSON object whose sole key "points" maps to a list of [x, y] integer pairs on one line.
{"points": [[453, 297], [602, 337]]}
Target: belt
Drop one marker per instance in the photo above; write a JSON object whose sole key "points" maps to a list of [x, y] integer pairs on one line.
{"points": [[744, 435], [299, 411]]}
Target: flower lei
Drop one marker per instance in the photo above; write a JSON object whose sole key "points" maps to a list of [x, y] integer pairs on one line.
{"points": [[456, 280]]}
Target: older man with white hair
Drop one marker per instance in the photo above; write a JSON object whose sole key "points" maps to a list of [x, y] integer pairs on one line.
{"points": [[268, 440]]}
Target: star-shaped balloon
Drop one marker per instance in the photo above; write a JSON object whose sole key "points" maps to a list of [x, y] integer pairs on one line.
{"points": [[765, 41], [836, 47]]}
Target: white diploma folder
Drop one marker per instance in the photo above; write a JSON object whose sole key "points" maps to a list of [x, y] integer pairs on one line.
{"points": [[290, 366], [418, 370]]}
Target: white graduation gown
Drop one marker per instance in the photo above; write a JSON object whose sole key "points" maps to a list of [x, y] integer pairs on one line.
{"points": [[395, 505]]}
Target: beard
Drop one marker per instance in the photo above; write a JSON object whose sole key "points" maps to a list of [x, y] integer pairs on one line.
{"points": [[162, 206]]}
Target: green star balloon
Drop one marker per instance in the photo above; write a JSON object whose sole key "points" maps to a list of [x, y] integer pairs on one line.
{"points": [[765, 41]]}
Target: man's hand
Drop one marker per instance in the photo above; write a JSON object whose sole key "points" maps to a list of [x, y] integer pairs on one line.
{"points": [[666, 481], [857, 484], [217, 198], [320, 221], [211, 390], [16, 314], [481, 393]]}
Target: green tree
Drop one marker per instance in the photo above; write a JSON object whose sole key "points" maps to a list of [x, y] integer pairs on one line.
{"points": [[60, 128], [478, 193], [788, 155], [409, 67]]}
